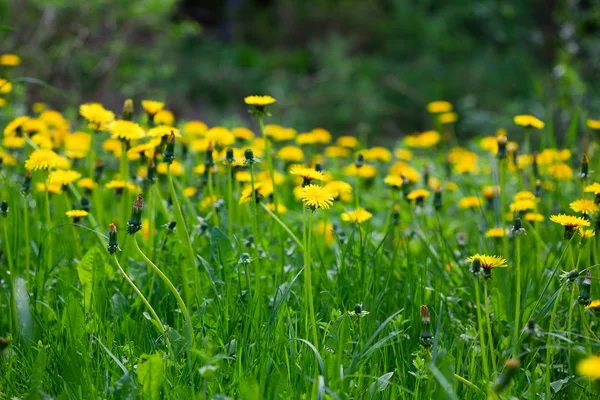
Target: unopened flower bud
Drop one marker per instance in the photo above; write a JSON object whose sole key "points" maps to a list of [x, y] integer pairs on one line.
{"points": [[437, 198], [476, 266], [113, 245], [135, 221], [128, 110], [425, 338], [4, 209], [585, 168], [538, 189], [229, 156], [98, 170], [360, 161], [169, 153], [26, 186], [151, 170], [502, 141], [85, 204], [512, 366], [585, 286]]}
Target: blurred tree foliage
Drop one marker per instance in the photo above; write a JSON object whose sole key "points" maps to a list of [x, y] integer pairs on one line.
{"points": [[350, 66]]}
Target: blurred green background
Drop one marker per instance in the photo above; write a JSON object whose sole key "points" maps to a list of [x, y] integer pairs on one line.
{"points": [[365, 66]]}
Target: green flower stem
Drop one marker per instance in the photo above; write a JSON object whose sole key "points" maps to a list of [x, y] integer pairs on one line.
{"points": [[549, 340], [256, 233], [284, 226], [124, 171], [151, 221], [484, 359], [212, 197], [167, 281], [27, 239], [308, 277], [468, 383], [158, 324], [269, 162], [489, 327], [518, 294], [229, 201], [49, 243], [185, 237]]}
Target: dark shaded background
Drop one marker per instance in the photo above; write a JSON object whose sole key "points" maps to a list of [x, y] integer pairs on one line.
{"points": [[365, 66]]}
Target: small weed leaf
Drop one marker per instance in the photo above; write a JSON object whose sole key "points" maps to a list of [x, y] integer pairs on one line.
{"points": [[151, 374]]}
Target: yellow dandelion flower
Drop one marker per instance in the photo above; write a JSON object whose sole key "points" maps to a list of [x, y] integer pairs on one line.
{"points": [[306, 138], [593, 188], [261, 189], [590, 366], [96, 115], [402, 169], [336, 152], [308, 174], [42, 159], [529, 121], [593, 124], [15, 127], [194, 128], [586, 234], [38, 107], [489, 143], [2, 102], [489, 262], [496, 232], [281, 209], [448, 118], [569, 221], [594, 306], [584, 206], [522, 205], [439, 107], [418, 195], [349, 142], [242, 176], [291, 154], [366, 171], [339, 189], [10, 60], [260, 101], [189, 191], [126, 130], [377, 154], [87, 183], [451, 186], [219, 136], [470, 202], [54, 189], [403, 154], [534, 217], [242, 133], [63, 177], [489, 192], [422, 140], [5, 86], [315, 196], [164, 117], [361, 215], [114, 146], [152, 107], [76, 214], [561, 172], [77, 144], [321, 136], [393, 181]]}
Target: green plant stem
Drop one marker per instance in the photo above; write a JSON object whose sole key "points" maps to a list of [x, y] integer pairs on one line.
{"points": [[211, 196], [167, 281], [185, 237], [269, 162], [484, 360], [489, 327], [124, 171], [27, 239], [549, 341], [518, 296], [308, 278], [49, 243], [229, 201], [159, 324], [468, 383]]}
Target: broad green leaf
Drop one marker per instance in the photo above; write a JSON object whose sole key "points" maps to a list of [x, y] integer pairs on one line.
{"points": [[73, 318], [91, 271], [151, 374]]}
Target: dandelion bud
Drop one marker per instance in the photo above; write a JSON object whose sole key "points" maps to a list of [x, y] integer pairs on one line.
{"points": [[584, 289], [517, 228], [405, 186], [426, 338], [538, 189], [98, 170], [249, 155], [26, 186], [476, 266], [461, 238], [585, 168], [319, 168], [360, 161], [504, 379], [169, 153], [128, 110], [426, 173], [502, 142], [85, 204], [530, 329], [4, 209], [113, 245], [171, 226], [135, 221], [245, 259], [229, 156], [534, 165], [437, 198]]}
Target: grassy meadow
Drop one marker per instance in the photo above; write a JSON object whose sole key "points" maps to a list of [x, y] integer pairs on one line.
{"points": [[148, 257]]}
